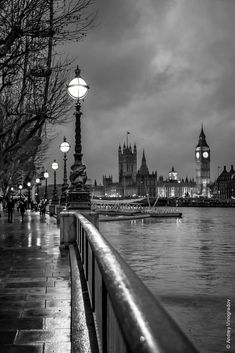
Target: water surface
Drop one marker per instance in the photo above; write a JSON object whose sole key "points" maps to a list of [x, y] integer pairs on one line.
{"points": [[189, 264]]}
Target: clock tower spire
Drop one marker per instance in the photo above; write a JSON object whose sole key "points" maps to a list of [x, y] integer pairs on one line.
{"points": [[202, 160]]}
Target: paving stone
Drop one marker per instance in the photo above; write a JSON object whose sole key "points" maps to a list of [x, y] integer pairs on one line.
{"points": [[19, 304], [56, 312], [12, 297], [61, 278], [48, 296], [11, 279], [7, 337], [7, 313], [31, 336], [21, 324], [33, 290], [23, 284], [21, 349], [62, 347], [58, 303], [54, 323], [59, 290], [20, 273], [62, 284]]}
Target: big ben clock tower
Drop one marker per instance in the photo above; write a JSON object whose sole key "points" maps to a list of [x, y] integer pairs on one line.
{"points": [[202, 159]]}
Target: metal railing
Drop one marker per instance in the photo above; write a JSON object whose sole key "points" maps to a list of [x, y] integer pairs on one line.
{"points": [[128, 318]]}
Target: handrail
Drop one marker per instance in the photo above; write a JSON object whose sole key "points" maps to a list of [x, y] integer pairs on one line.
{"points": [[128, 317]]}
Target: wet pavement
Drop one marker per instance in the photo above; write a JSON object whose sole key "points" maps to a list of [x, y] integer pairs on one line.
{"points": [[35, 287]]}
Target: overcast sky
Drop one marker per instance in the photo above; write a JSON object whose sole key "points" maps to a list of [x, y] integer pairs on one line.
{"points": [[158, 69]]}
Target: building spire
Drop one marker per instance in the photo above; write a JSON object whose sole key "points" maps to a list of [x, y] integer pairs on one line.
{"points": [[144, 168], [202, 139], [143, 158]]}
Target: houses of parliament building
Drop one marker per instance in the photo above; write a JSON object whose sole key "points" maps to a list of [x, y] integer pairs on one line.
{"points": [[134, 182], [141, 182]]}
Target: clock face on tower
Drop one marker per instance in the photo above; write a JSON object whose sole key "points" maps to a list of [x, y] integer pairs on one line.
{"points": [[197, 154], [205, 154]]}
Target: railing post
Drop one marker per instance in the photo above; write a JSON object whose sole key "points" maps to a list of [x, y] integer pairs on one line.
{"points": [[68, 231], [104, 318]]}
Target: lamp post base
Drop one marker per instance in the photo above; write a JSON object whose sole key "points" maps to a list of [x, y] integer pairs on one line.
{"points": [[79, 200]]}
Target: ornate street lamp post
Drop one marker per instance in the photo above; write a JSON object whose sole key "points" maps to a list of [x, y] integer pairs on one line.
{"points": [[37, 190], [64, 147], [46, 176], [29, 194], [79, 195], [55, 199]]}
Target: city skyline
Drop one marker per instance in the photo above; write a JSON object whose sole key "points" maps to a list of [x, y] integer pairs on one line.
{"points": [[158, 70]]}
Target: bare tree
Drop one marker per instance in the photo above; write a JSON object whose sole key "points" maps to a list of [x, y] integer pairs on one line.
{"points": [[32, 79]]}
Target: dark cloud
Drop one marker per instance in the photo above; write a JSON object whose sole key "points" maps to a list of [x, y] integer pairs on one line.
{"points": [[158, 68]]}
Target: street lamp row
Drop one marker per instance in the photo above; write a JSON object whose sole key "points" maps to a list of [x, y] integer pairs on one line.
{"points": [[64, 147], [78, 193]]}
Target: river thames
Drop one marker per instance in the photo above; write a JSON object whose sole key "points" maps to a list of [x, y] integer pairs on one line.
{"points": [[189, 264]]}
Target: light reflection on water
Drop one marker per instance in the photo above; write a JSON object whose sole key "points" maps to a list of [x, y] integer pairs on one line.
{"points": [[189, 263]]}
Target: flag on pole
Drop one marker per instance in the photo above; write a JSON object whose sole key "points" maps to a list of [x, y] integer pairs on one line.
{"points": [[127, 133]]}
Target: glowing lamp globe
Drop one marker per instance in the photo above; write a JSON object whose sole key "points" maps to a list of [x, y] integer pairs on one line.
{"points": [[54, 165], [29, 184], [64, 147], [78, 88], [37, 180], [46, 175]]}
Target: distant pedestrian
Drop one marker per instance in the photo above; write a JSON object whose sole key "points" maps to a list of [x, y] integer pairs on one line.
{"points": [[10, 208], [22, 208], [42, 208]]}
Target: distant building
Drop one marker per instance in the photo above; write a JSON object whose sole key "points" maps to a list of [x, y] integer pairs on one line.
{"points": [[174, 188], [110, 188], [131, 183], [225, 184], [97, 190], [127, 169], [202, 160], [173, 175]]}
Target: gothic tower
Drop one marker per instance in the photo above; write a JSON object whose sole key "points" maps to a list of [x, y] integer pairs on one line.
{"points": [[202, 159], [144, 168], [127, 165], [146, 182]]}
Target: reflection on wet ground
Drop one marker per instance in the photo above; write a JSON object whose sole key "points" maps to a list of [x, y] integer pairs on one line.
{"points": [[33, 231], [35, 293]]}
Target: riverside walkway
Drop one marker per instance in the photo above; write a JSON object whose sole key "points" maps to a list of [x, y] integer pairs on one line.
{"points": [[80, 297], [35, 287]]}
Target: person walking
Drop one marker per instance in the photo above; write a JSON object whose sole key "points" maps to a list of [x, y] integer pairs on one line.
{"points": [[10, 208], [22, 208], [42, 208]]}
